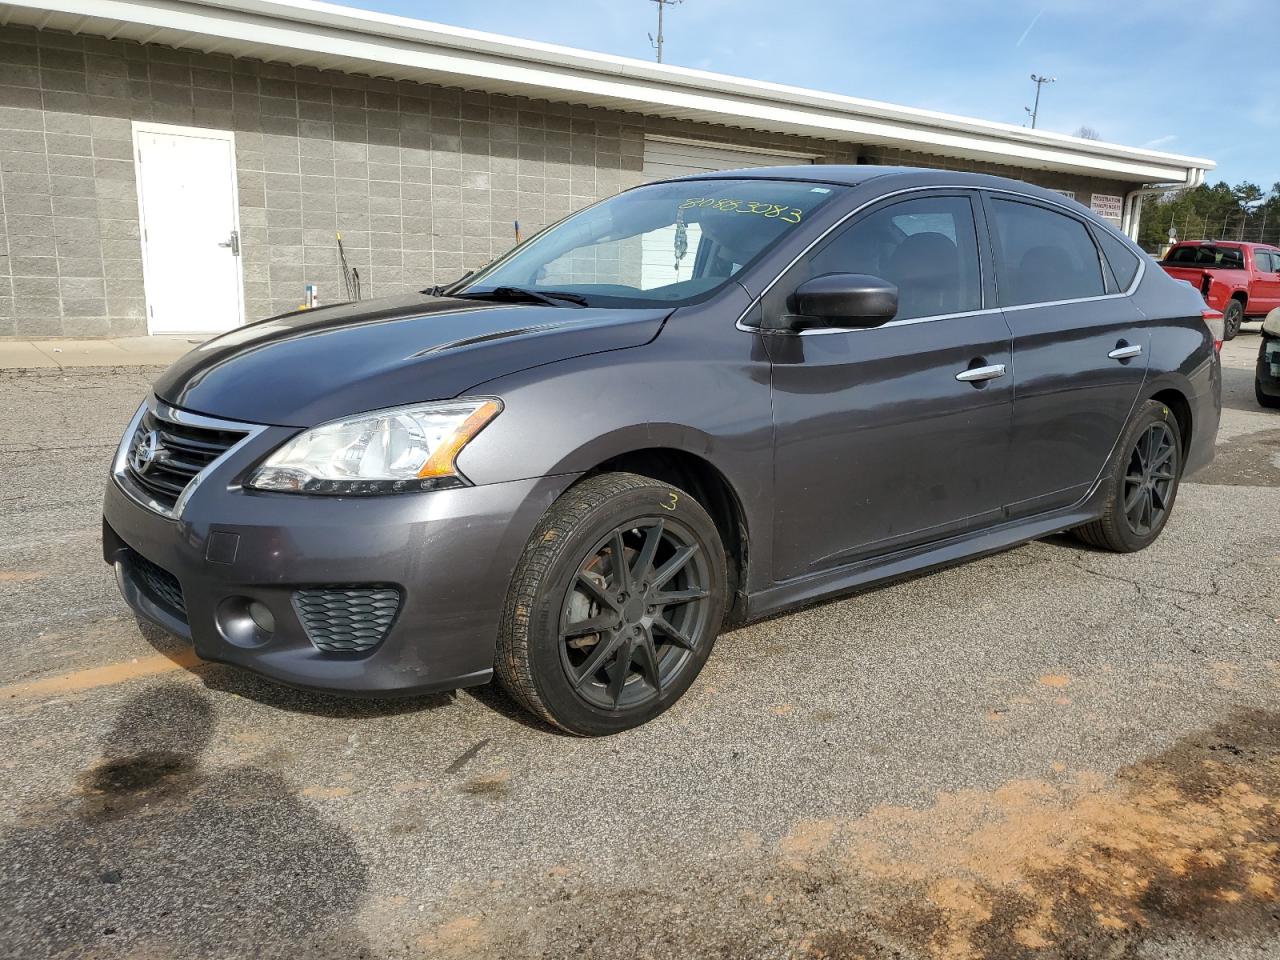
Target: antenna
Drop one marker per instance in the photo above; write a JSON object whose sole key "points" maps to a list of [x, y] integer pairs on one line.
{"points": [[657, 44]]}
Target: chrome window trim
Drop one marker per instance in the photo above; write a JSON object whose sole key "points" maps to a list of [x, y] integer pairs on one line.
{"points": [[749, 328], [163, 411]]}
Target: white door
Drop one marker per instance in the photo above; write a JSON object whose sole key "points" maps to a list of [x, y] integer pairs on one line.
{"points": [[671, 158], [190, 228]]}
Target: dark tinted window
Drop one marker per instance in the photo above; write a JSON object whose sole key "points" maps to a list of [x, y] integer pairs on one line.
{"points": [[1265, 262], [927, 247], [1124, 262], [1042, 255], [1207, 255]]}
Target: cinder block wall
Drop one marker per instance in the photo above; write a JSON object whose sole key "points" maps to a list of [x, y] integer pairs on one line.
{"points": [[424, 182]]}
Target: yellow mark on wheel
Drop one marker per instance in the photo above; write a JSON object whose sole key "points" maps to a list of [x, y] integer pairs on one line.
{"points": [[105, 676]]}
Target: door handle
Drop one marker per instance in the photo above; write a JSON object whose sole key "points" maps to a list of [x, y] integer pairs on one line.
{"points": [[981, 374], [1124, 351], [233, 242]]}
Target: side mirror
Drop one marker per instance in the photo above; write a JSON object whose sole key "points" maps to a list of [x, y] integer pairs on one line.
{"points": [[842, 300]]}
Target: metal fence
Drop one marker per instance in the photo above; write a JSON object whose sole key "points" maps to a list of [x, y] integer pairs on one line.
{"points": [[1259, 227]]}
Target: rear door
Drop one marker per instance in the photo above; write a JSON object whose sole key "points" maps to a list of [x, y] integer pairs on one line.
{"points": [[898, 435], [1080, 349]]}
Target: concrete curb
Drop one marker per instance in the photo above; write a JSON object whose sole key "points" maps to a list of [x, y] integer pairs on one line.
{"points": [[121, 352]]}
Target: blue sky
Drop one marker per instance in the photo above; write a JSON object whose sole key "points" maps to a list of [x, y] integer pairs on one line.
{"points": [[1181, 75]]}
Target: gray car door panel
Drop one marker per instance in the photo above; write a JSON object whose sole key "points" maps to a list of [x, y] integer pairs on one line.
{"points": [[891, 436]]}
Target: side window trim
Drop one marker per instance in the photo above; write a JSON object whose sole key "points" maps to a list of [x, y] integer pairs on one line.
{"points": [[985, 261], [757, 300], [988, 195], [1109, 277]]}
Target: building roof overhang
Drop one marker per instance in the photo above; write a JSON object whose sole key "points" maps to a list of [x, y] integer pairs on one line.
{"points": [[325, 36]]}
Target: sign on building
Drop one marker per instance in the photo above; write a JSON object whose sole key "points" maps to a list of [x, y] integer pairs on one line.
{"points": [[1106, 205], [1069, 194]]}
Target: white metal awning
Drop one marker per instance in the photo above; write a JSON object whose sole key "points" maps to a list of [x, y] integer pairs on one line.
{"points": [[326, 36]]}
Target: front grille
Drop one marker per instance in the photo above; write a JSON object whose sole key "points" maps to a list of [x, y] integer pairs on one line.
{"points": [[342, 618], [179, 451], [160, 586]]}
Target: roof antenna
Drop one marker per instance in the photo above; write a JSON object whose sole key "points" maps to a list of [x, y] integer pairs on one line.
{"points": [[657, 44]]}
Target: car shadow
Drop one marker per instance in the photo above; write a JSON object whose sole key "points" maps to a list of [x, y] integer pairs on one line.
{"points": [[156, 851], [225, 678], [1237, 391]]}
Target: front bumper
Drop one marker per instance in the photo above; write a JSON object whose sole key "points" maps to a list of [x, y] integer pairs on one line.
{"points": [[450, 553]]}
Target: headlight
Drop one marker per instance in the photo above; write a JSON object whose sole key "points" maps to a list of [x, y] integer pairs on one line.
{"points": [[388, 451]]}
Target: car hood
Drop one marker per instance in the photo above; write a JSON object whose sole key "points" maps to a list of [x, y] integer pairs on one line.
{"points": [[311, 366]]}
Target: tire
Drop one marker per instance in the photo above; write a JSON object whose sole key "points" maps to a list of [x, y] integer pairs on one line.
{"points": [[1232, 317], [1263, 399], [646, 651], [1116, 528]]}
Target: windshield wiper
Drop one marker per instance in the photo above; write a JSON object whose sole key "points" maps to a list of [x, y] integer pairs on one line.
{"points": [[552, 298]]}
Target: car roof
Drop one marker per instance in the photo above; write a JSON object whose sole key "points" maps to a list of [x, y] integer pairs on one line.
{"points": [[854, 175]]}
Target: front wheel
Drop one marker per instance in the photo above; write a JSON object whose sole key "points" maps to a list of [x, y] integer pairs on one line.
{"points": [[1142, 483], [1232, 317], [614, 605]]}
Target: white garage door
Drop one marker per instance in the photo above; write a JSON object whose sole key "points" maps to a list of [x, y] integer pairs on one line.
{"points": [[665, 158]]}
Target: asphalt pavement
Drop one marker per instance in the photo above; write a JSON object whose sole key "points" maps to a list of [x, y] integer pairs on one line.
{"points": [[1051, 752]]}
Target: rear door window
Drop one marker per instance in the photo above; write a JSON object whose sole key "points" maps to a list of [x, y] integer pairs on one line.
{"points": [[1042, 256], [1264, 262], [927, 247], [1124, 262]]}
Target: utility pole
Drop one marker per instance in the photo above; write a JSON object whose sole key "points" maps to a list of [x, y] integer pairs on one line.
{"points": [[657, 44], [1039, 82]]}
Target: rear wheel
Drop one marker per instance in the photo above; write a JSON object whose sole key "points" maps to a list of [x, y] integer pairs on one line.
{"points": [[1142, 483], [1232, 317], [614, 606]]}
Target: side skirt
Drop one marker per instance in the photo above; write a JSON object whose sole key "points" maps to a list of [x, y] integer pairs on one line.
{"points": [[943, 553]]}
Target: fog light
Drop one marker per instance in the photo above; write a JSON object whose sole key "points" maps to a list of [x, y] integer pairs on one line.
{"points": [[245, 622], [260, 615]]}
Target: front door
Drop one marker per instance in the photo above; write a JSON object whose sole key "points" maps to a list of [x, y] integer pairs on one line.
{"points": [[190, 229], [1080, 348], [878, 445]]}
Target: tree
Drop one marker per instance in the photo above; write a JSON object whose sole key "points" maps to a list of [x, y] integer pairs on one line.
{"points": [[1087, 133], [1212, 213]]}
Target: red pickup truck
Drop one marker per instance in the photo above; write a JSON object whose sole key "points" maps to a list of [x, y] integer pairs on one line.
{"points": [[1240, 279]]}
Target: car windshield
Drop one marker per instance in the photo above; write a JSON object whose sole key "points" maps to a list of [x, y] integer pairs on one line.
{"points": [[664, 244], [1207, 255]]}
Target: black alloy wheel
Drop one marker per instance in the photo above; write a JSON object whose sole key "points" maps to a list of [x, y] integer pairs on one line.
{"points": [[615, 605], [1149, 479], [1140, 483], [635, 614]]}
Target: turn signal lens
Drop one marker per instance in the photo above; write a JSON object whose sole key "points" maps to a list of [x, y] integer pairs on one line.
{"points": [[440, 463]]}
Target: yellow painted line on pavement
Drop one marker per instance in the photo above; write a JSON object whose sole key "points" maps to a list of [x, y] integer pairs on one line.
{"points": [[104, 676]]}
